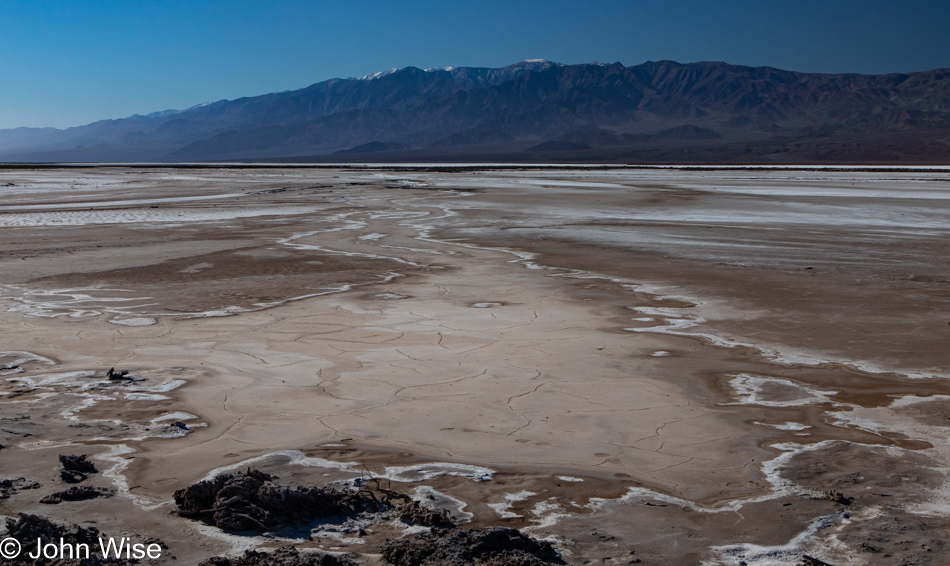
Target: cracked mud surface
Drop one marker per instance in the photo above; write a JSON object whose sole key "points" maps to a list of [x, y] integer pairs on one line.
{"points": [[669, 366]]}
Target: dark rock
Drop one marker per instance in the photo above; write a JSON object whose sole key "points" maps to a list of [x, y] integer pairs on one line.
{"points": [[495, 546], [29, 529], [812, 561], [115, 375], [77, 464], [413, 513], [71, 476], [250, 502], [9, 487], [837, 497], [77, 494], [284, 556]]}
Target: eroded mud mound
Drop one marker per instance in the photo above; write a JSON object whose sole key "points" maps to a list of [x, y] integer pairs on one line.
{"points": [[495, 546], [9, 487], [77, 494], [29, 529], [284, 556], [73, 463], [250, 501], [75, 468]]}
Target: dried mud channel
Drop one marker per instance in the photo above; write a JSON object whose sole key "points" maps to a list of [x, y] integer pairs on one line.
{"points": [[655, 366]]}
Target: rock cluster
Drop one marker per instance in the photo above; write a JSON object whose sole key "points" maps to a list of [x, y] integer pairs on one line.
{"points": [[8, 487], [837, 497], [284, 556], [494, 546], [75, 468], [30, 529], [77, 494], [251, 502]]}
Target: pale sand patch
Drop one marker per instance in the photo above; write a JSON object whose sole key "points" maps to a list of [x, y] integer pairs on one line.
{"points": [[401, 373]]}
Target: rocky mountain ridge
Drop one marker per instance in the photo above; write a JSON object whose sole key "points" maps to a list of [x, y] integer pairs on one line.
{"points": [[659, 110]]}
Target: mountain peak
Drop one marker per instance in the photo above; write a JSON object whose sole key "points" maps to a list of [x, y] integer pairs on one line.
{"points": [[534, 64], [377, 74], [526, 65]]}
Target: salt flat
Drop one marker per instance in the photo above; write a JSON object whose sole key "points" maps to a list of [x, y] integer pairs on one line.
{"points": [[705, 353]]}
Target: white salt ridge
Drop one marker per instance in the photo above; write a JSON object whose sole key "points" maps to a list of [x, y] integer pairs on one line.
{"points": [[878, 420], [429, 498], [116, 456], [286, 457], [569, 479], [812, 191], [291, 242], [749, 391], [89, 390], [389, 296], [21, 357], [486, 305], [71, 302], [165, 430], [545, 514], [503, 507], [146, 397], [224, 311], [771, 469], [417, 250], [788, 554], [62, 299], [68, 379], [14, 360], [71, 413], [425, 472], [676, 323], [389, 214], [402, 474], [165, 387], [113, 203], [791, 426], [907, 400], [165, 216], [177, 416], [139, 321]]}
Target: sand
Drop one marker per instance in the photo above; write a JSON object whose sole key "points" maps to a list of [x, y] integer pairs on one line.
{"points": [[670, 365]]}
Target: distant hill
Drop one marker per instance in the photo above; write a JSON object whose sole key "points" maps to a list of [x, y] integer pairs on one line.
{"points": [[373, 147], [539, 110]]}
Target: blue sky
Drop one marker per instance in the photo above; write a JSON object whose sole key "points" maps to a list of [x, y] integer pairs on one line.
{"points": [[70, 62]]}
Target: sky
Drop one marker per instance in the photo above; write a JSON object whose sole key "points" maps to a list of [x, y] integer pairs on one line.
{"points": [[66, 63]]}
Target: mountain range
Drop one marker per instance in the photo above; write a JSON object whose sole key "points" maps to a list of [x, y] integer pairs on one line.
{"points": [[539, 111]]}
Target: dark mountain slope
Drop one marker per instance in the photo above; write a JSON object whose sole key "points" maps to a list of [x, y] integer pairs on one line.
{"points": [[665, 104]]}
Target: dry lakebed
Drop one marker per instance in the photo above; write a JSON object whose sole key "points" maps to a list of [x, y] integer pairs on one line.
{"points": [[652, 365]]}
